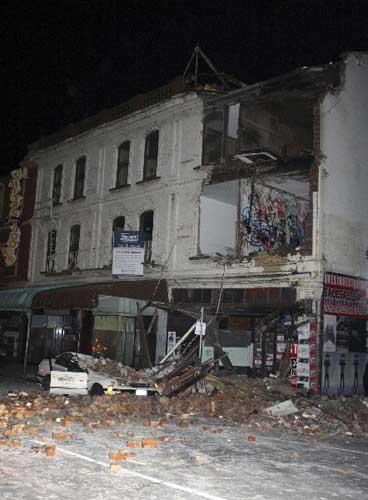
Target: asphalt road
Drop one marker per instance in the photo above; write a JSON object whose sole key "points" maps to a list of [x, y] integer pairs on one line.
{"points": [[202, 461]]}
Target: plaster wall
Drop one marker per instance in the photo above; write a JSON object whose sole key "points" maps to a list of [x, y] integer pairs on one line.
{"points": [[344, 172], [174, 197], [218, 219], [179, 121]]}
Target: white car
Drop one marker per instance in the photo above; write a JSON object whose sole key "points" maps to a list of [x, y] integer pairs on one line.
{"points": [[97, 382]]}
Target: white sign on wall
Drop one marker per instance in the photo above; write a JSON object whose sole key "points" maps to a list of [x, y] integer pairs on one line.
{"points": [[128, 253]]}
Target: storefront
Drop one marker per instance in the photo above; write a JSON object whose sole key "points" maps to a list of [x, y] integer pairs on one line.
{"points": [[345, 315]]}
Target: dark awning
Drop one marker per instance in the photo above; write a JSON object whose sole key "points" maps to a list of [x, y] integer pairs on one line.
{"points": [[20, 299], [86, 296]]}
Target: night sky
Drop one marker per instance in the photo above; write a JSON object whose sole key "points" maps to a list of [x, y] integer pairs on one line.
{"points": [[61, 61]]}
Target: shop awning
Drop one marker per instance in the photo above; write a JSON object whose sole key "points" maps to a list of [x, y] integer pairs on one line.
{"points": [[20, 299], [86, 296]]}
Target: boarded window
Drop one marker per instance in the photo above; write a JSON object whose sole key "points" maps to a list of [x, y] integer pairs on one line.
{"points": [[80, 173], [51, 251], [151, 155], [212, 137], [123, 164], [146, 227], [74, 247], [56, 189]]}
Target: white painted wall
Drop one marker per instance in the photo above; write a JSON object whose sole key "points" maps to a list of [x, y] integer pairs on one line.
{"points": [[174, 196], [218, 218], [344, 178]]}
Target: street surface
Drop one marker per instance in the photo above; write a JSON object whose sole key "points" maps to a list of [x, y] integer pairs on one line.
{"points": [[204, 460]]}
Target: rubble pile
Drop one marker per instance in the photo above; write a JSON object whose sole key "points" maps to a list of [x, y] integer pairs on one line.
{"points": [[251, 403], [116, 369]]}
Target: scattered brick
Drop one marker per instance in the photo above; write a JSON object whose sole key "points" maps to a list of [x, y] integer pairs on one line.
{"points": [[118, 456], [149, 443], [50, 450], [134, 444]]}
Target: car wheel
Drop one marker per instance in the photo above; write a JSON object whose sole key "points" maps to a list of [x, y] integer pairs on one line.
{"points": [[46, 383], [97, 390]]}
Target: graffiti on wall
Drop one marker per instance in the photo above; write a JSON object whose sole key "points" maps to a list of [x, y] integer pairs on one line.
{"points": [[271, 219]]}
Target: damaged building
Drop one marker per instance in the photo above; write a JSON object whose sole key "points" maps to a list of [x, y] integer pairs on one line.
{"points": [[252, 205]]}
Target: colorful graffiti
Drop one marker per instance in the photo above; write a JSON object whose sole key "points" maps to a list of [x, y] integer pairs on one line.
{"points": [[271, 219]]}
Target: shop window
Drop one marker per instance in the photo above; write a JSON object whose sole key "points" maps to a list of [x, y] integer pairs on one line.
{"points": [[233, 296], [212, 137], [56, 188], [201, 295], [51, 251], [146, 227], [151, 155], [192, 295], [123, 164], [80, 172], [74, 247]]}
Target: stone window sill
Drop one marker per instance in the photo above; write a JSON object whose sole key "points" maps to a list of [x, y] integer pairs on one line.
{"points": [[117, 188], [199, 257], [73, 200], [148, 179]]}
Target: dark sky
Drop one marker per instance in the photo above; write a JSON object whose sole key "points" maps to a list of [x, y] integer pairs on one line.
{"points": [[64, 60]]}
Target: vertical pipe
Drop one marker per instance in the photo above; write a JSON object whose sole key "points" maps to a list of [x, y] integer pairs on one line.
{"points": [[29, 316]]}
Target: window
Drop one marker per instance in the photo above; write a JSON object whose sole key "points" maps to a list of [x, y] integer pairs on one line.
{"points": [[80, 173], [74, 248], [51, 251], [56, 189], [212, 137], [151, 155], [123, 164], [118, 223], [146, 227]]}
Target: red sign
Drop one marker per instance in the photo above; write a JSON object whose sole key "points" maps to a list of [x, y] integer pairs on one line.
{"points": [[345, 295]]}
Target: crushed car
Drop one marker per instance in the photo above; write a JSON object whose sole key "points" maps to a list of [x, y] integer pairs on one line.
{"points": [[98, 381]]}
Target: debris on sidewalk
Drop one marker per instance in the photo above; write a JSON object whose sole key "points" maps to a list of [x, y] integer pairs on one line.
{"points": [[282, 409], [254, 404]]}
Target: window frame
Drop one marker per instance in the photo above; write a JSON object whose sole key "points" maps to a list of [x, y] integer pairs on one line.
{"points": [[51, 243], [147, 240], [58, 168], [78, 192], [148, 171], [222, 119], [122, 166], [73, 259]]}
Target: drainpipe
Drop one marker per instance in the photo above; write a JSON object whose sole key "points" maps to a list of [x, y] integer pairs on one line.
{"points": [[29, 316]]}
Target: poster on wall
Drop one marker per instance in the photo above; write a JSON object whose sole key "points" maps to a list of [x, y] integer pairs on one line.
{"points": [[329, 333], [345, 295], [127, 253]]}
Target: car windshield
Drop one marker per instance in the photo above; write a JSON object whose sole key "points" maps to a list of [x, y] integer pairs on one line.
{"points": [[64, 359]]}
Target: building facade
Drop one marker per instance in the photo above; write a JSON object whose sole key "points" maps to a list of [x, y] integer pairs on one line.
{"points": [[17, 199], [253, 206]]}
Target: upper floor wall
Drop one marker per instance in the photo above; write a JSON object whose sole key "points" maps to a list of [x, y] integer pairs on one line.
{"points": [[176, 123], [344, 172]]}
